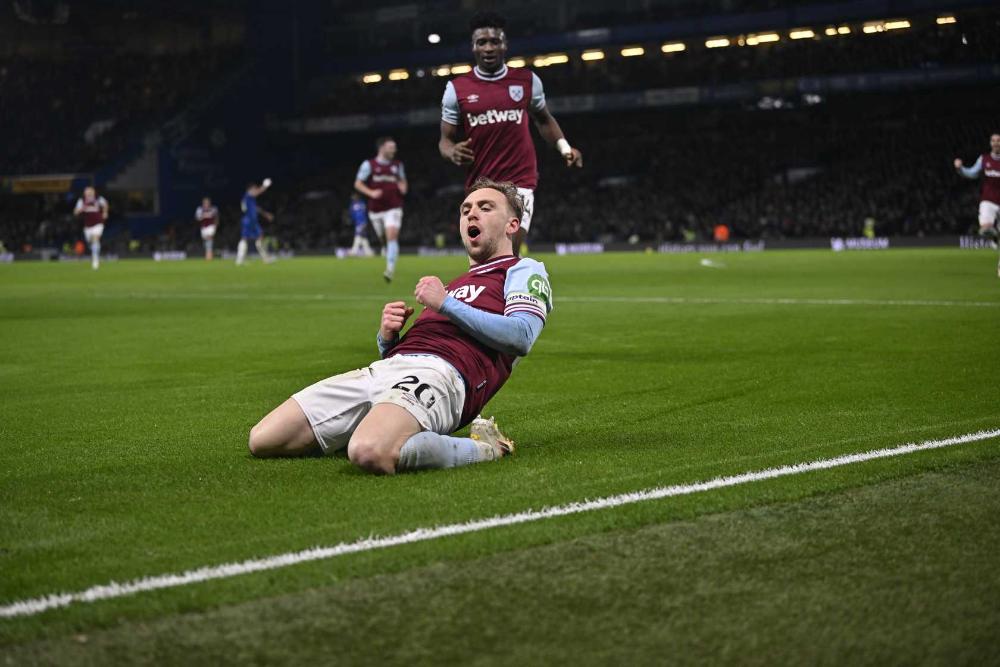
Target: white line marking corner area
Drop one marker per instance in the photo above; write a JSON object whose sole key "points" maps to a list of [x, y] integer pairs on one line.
{"points": [[31, 607]]}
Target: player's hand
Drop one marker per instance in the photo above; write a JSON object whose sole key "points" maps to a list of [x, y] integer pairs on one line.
{"points": [[376, 194], [430, 292], [394, 316], [574, 158], [958, 163], [267, 216], [462, 153]]}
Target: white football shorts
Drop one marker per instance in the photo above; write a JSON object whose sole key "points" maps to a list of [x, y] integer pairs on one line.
{"points": [[207, 232], [427, 387], [987, 213], [528, 201], [93, 233], [393, 218]]}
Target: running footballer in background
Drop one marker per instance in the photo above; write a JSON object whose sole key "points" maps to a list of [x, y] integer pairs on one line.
{"points": [[250, 229], [489, 106], [986, 165], [94, 212], [207, 215], [383, 180]]}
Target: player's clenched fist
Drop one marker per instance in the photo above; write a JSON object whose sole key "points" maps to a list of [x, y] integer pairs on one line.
{"points": [[394, 316], [430, 292]]}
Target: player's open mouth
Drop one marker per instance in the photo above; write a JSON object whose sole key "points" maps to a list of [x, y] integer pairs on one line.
{"points": [[473, 231]]}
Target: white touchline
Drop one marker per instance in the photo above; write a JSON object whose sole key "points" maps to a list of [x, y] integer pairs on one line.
{"points": [[669, 300], [114, 589]]}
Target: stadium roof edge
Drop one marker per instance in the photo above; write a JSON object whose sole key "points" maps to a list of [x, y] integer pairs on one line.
{"points": [[688, 27]]}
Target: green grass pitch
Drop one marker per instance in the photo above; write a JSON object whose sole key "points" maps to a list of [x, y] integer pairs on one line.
{"points": [[127, 395]]}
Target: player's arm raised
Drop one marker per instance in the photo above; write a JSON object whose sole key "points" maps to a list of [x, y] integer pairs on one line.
{"points": [[969, 172], [548, 128]]}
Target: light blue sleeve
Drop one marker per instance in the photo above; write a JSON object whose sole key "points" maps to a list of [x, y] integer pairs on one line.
{"points": [[511, 335], [974, 170], [450, 113], [364, 171], [385, 345], [527, 289], [402, 172], [537, 94]]}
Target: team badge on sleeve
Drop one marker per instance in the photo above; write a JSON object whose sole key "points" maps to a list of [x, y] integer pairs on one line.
{"points": [[516, 92]]}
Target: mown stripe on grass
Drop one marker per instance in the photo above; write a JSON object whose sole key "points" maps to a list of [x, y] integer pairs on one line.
{"points": [[113, 589], [668, 300]]}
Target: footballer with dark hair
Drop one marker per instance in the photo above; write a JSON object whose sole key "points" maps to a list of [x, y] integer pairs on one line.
{"points": [[488, 107]]}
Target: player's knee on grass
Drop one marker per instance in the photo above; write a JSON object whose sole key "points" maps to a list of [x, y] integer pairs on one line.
{"points": [[369, 453]]}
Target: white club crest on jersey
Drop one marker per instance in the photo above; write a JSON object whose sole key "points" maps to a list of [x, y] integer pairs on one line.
{"points": [[516, 92]]}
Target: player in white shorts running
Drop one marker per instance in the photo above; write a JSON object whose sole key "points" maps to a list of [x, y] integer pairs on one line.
{"points": [[94, 211], [207, 215]]}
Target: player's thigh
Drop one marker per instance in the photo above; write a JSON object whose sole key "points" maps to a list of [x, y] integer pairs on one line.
{"points": [[528, 202], [93, 234], [335, 406], [285, 431], [988, 212], [394, 218], [427, 387]]}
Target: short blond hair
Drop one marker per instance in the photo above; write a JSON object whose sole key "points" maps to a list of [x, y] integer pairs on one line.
{"points": [[506, 188]]}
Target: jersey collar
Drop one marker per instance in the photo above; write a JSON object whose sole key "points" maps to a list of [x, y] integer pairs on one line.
{"points": [[501, 73], [490, 264]]}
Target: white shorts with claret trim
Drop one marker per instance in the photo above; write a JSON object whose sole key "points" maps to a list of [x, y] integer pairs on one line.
{"points": [[207, 232], [528, 201], [426, 386], [391, 219], [987, 213], [93, 233]]}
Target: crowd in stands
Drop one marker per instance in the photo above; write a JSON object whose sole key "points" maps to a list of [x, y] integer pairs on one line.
{"points": [[927, 45], [801, 171], [93, 106]]}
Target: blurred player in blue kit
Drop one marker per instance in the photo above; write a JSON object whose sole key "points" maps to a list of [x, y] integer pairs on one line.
{"points": [[359, 216], [250, 223]]}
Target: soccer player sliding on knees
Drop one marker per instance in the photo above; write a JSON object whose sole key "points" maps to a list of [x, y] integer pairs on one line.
{"points": [[397, 414]]}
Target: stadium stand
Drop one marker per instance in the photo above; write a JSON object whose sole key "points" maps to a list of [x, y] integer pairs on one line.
{"points": [[787, 166]]}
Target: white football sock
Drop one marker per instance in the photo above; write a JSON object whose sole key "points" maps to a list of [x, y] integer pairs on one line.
{"points": [[431, 450]]}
